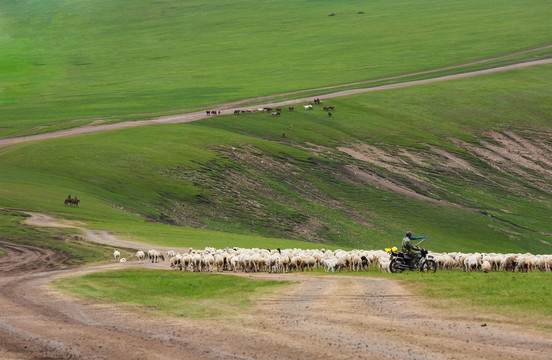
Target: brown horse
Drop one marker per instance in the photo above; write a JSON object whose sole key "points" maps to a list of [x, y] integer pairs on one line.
{"points": [[72, 202]]}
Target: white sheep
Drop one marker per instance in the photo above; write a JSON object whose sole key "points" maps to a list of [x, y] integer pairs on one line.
{"points": [[123, 260], [117, 255], [486, 266]]}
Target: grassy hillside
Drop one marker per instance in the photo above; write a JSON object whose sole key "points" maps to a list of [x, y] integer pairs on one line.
{"points": [[466, 162], [66, 60]]}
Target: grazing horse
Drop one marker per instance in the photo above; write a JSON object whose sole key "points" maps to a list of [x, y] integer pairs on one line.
{"points": [[329, 114], [307, 107], [291, 108]]}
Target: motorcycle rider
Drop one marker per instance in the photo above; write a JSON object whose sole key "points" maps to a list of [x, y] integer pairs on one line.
{"points": [[411, 249]]}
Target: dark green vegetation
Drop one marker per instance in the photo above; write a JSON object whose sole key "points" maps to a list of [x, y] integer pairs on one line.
{"points": [[436, 159], [67, 60], [77, 250], [519, 298], [189, 295]]}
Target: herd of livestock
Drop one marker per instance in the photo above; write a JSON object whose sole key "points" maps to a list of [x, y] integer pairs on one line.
{"points": [[290, 260]]}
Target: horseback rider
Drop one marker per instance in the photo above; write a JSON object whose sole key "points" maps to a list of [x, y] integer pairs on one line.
{"points": [[410, 249]]}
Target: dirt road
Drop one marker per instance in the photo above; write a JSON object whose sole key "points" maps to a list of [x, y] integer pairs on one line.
{"points": [[226, 109], [318, 317]]}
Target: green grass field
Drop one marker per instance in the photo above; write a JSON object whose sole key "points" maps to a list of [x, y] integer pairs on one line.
{"points": [[175, 294], [71, 60], [188, 174], [235, 181], [514, 298]]}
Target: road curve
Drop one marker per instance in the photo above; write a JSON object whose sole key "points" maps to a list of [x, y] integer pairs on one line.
{"points": [[228, 109], [316, 317]]}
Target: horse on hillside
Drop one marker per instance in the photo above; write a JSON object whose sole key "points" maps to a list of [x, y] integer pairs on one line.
{"points": [[72, 201]]}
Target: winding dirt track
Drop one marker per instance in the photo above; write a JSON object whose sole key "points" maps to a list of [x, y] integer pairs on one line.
{"points": [[226, 109], [318, 317]]}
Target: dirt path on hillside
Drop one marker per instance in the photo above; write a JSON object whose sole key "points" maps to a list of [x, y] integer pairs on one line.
{"points": [[229, 108], [318, 317]]}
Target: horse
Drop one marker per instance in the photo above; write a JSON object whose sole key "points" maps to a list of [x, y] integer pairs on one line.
{"points": [[307, 107], [291, 108], [72, 202]]}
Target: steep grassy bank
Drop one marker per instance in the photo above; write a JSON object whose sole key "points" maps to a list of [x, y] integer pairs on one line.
{"points": [[71, 60], [465, 162]]}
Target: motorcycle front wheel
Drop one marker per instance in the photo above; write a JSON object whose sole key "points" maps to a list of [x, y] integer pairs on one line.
{"points": [[429, 266], [394, 267]]}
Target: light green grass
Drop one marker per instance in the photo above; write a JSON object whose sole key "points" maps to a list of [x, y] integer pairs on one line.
{"points": [[519, 298], [70, 60], [175, 294]]}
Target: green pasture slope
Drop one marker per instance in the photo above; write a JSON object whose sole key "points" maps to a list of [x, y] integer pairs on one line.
{"points": [[65, 60], [238, 175]]}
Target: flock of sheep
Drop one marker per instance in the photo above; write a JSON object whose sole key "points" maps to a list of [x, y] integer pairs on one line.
{"points": [[288, 260]]}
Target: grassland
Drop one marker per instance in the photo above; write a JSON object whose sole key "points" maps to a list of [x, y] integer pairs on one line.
{"points": [[63, 61], [200, 175], [188, 295], [520, 298], [235, 181]]}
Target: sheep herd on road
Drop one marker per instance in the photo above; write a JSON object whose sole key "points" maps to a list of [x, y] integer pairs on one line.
{"points": [[291, 260]]}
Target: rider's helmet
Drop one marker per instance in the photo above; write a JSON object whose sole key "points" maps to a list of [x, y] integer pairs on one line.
{"points": [[409, 233]]}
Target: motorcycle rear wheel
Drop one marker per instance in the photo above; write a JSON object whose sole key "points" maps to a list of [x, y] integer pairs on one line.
{"points": [[429, 266], [394, 267]]}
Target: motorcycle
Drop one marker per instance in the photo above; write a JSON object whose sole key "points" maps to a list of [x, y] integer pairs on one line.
{"points": [[400, 262]]}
